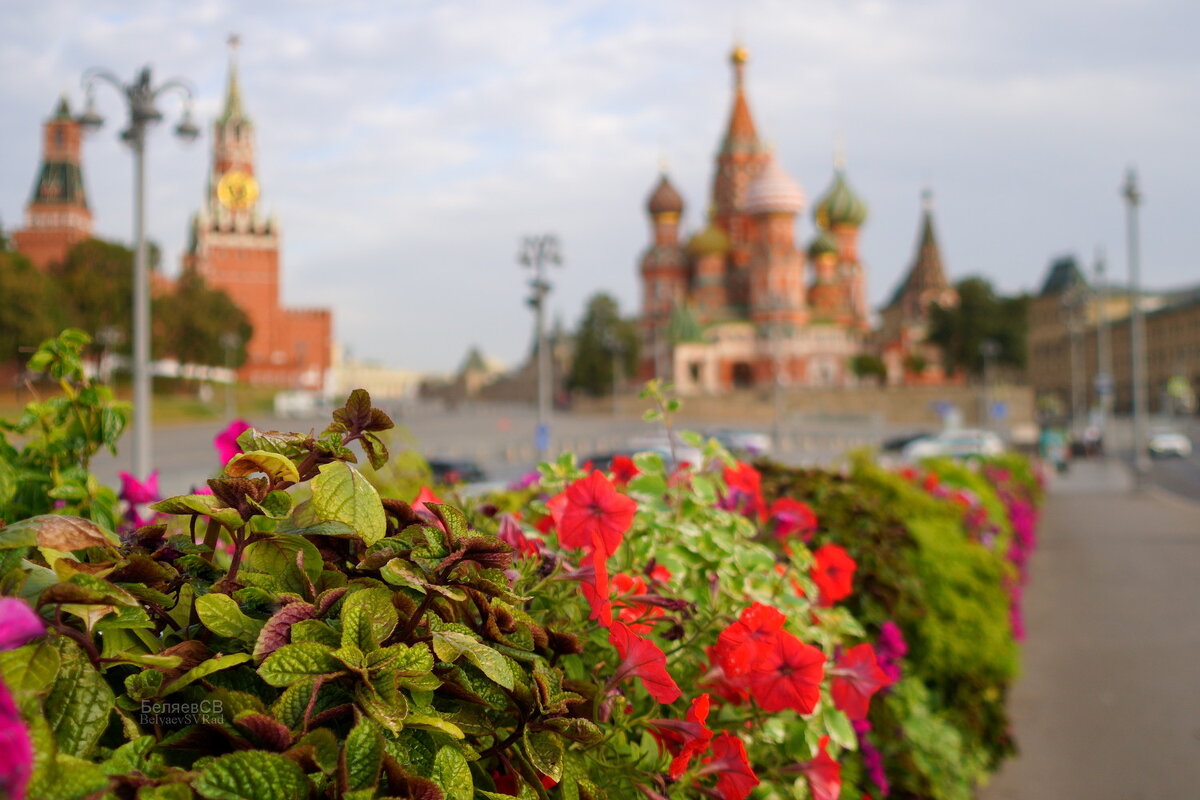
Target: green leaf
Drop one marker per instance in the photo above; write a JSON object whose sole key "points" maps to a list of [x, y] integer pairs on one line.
{"points": [[203, 505], [221, 615], [167, 791], [325, 748], [433, 723], [314, 630], [204, 669], [276, 556], [342, 494], [545, 751], [453, 774], [375, 606], [252, 775], [577, 729], [273, 465], [362, 756], [383, 702], [297, 662], [30, 668], [79, 702], [276, 505], [400, 572], [285, 444], [449, 645], [840, 730]]}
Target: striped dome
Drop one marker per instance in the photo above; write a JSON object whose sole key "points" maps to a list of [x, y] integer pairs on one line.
{"points": [[823, 245], [664, 199], [840, 205], [774, 192]]}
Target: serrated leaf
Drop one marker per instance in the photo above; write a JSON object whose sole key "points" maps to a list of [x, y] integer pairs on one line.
{"points": [[375, 605], [577, 729], [453, 774], [79, 701], [276, 556], [204, 669], [57, 532], [30, 668], [433, 723], [205, 505], [167, 791], [342, 494], [325, 748], [296, 662], [277, 505], [362, 756], [400, 572], [273, 465], [837, 724], [277, 630], [221, 614], [314, 630], [251, 775], [285, 444], [545, 751], [449, 645]]}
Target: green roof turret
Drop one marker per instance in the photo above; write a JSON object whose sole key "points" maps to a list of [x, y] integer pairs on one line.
{"points": [[840, 206]]}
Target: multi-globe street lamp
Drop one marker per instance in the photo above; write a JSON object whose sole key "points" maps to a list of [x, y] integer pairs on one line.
{"points": [[537, 253], [140, 97], [1137, 330]]}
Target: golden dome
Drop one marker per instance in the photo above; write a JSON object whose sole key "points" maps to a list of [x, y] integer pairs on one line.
{"points": [[740, 55]]}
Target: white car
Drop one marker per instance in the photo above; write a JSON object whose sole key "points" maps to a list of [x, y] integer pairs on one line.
{"points": [[1167, 442], [961, 443]]}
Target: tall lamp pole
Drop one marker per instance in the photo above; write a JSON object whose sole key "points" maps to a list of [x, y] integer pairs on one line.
{"points": [[537, 253], [140, 97], [1104, 366], [1137, 330]]}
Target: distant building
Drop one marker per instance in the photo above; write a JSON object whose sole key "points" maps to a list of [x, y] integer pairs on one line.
{"points": [[236, 249], [1064, 341], [901, 338], [57, 215], [741, 303]]}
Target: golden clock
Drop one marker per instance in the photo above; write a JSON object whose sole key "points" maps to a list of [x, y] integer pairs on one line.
{"points": [[237, 190]]}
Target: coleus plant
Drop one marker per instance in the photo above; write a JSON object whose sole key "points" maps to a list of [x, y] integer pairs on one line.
{"points": [[292, 635]]}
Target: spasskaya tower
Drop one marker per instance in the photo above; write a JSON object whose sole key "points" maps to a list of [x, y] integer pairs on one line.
{"points": [[236, 248]]}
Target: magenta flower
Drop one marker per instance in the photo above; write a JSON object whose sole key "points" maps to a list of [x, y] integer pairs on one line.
{"points": [[226, 441], [18, 623], [16, 764], [890, 648], [136, 492]]}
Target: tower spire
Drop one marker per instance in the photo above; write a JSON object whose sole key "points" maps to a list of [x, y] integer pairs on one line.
{"points": [[233, 92]]}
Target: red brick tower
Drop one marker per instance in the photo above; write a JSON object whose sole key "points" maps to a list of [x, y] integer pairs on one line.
{"points": [[57, 215], [664, 275], [739, 160], [237, 250]]}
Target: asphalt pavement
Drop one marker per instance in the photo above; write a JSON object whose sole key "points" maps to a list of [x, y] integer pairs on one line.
{"points": [[1108, 705]]}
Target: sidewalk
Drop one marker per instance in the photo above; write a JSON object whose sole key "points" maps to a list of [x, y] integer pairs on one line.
{"points": [[1108, 705]]}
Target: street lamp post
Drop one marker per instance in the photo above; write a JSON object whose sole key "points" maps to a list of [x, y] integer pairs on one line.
{"points": [[140, 97], [990, 349], [1137, 330], [1104, 367], [537, 253]]}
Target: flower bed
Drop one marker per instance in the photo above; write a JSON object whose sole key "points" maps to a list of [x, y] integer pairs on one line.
{"points": [[719, 630]]}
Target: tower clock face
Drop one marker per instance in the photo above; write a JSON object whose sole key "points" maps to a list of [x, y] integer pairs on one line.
{"points": [[237, 190]]}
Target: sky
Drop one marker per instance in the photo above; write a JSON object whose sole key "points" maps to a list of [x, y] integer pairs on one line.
{"points": [[407, 148]]}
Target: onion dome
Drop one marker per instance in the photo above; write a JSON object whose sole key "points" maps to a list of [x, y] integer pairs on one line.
{"points": [[709, 242], [823, 245], [840, 205], [773, 191], [664, 199]]}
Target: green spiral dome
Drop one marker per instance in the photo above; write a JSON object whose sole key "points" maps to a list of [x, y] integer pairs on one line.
{"points": [[840, 206]]}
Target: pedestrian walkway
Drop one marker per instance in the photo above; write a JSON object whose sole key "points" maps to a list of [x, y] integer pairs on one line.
{"points": [[1108, 705]]}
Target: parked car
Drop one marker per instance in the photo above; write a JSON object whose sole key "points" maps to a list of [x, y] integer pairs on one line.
{"points": [[896, 444], [456, 471], [960, 443], [1165, 442]]}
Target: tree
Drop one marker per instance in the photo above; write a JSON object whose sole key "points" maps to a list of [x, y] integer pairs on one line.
{"points": [[191, 323], [865, 365], [96, 284], [980, 315], [600, 332], [30, 311]]}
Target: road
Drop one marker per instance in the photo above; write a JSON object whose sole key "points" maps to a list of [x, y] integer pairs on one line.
{"points": [[1108, 705]]}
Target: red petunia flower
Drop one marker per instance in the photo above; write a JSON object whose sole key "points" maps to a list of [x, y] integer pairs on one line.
{"points": [[833, 573], [511, 534], [741, 644], [790, 518], [745, 491], [596, 515], [684, 738], [930, 481], [638, 616], [643, 659], [730, 690], [788, 674], [660, 573], [857, 676], [735, 778], [824, 774], [623, 469]]}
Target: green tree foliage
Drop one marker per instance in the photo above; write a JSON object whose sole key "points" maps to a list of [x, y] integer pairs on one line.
{"points": [[192, 321], [865, 365], [29, 307], [981, 315], [96, 284], [600, 331]]}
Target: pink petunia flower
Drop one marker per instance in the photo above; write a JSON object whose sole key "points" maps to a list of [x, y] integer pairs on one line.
{"points": [[226, 441], [18, 623]]}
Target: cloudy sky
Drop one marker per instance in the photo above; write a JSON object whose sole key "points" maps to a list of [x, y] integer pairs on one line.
{"points": [[407, 147]]}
